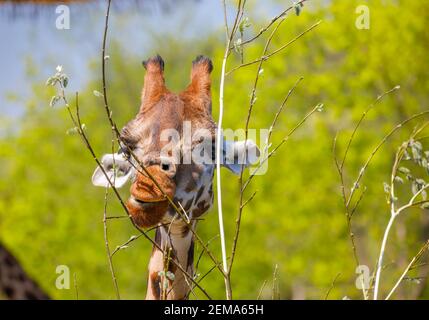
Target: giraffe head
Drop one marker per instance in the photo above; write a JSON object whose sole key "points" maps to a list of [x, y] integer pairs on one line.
{"points": [[173, 137]]}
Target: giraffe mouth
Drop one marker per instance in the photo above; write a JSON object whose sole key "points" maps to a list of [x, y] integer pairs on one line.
{"points": [[147, 213], [145, 202]]}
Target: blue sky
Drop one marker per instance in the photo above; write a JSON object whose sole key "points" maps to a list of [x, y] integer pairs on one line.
{"points": [[34, 37]]}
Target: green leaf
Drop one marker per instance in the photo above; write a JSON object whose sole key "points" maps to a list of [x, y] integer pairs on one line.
{"points": [[416, 153], [297, 7], [97, 93], [244, 24], [51, 81], [386, 187], [421, 183], [132, 238], [170, 275], [425, 205], [423, 163], [406, 155], [237, 45], [404, 170], [399, 179], [161, 273], [414, 187], [72, 131], [418, 145], [54, 101], [165, 284], [65, 81], [121, 247]]}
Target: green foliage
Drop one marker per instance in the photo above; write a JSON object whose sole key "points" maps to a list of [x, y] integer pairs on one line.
{"points": [[50, 214]]}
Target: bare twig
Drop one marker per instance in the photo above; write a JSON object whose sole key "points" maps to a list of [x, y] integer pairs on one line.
{"points": [[75, 286], [347, 199], [106, 243], [279, 145], [394, 212], [219, 139], [332, 286], [408, 268], [340, 170], [262, 289], [267, 56], [379, 98], [273, 20], [248, 200], [275, 289]]}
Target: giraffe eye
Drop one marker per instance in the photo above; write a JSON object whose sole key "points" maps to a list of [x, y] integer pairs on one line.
{"points": [[165, 166]]}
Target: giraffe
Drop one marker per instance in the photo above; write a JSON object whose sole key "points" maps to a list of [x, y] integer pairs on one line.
{"points": [[15, 283], [158, 137]]}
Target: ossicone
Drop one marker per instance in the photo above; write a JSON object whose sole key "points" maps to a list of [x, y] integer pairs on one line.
{"points": [[156, 62]]}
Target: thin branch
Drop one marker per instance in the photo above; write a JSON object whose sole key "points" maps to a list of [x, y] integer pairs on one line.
{"points": [[262, 289], [106, 243], [408, 268], [219, 139], [202, 252], [273, 20], [279, 111], [340, 170], [382, 142], [267, 56], [249, 114], [275, 284], [381, 255], [279, 145], [393, 211], [75, 286], [116, 217], [332, 286], [225, 18], [248, 200], [379, 98]]}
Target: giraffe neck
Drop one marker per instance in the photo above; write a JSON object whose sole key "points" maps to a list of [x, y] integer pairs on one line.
{"points": [[15, 284], [166, 281]]}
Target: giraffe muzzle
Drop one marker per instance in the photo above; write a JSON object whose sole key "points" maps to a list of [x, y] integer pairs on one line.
{"points": [[147, 204]]}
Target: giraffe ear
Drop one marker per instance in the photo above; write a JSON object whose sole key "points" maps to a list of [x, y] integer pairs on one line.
{"points": [[117, 168], [238, 154], [154, 83]]}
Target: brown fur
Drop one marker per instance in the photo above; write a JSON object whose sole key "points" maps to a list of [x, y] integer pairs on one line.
{"points": [[161, 109], [151, 213]]}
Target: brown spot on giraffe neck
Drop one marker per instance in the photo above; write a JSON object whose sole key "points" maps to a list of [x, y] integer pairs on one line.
{"points": [[199, 194], [188, 204], [15, 283], [190, 262], [156, 285]]}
